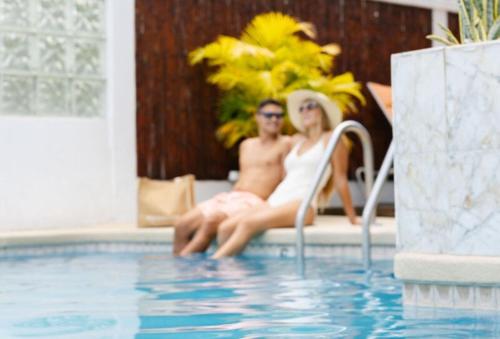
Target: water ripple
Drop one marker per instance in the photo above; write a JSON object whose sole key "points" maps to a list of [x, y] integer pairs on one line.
{"points": [[158, 296]]}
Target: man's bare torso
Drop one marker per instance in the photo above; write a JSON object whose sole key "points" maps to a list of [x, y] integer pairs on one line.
{"points": [[261, 165]]}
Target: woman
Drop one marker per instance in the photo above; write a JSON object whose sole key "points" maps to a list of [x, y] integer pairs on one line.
{"points": [[315, 116]]}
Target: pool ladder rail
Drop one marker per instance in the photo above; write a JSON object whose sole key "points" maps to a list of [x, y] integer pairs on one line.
{"points": [[372, 191]]}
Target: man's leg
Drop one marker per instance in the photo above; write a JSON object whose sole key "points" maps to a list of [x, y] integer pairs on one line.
{"points": [[205, 234], [184, 228], [252, 224]]}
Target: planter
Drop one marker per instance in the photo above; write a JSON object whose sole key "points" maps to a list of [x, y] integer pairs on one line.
{"points": [[447, 157]]}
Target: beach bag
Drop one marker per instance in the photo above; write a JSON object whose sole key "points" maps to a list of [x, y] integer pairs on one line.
{"points": [[161, 202]]}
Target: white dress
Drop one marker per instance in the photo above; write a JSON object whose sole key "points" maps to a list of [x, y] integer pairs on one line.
{"points": [[300, 171]]}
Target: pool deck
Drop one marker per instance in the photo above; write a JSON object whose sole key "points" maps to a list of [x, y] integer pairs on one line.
{"points": [[328, 230]]}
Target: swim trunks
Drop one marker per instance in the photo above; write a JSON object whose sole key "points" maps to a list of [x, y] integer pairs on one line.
{"points": [[230, 203]]}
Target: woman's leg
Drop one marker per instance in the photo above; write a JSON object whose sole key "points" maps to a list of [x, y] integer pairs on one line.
{"points": [[204, 234], [229, 225], [254, 223], [226, 228]]}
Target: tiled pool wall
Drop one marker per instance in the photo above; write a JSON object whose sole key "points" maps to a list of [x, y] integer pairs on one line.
{"points": [[350, 251], [83, 248], [452, 296], [468, 282], [275, 250]]}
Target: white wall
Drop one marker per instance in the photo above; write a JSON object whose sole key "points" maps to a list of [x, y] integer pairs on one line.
{"points": [[443, 5], [75, 172]]}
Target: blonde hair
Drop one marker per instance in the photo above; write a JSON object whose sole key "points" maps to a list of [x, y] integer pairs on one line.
{"points": [[327, 192]]}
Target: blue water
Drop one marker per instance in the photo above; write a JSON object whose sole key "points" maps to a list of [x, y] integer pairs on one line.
{"points": [[157, 296]]}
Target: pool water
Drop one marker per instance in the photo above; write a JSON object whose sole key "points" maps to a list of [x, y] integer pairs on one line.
{"points": [[158, 296]]}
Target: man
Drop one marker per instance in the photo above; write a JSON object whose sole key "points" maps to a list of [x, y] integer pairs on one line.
{"points": [[261, 170]]}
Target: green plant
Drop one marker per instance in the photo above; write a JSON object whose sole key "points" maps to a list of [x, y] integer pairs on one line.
{"points": [[270, 60], [479, 21]]}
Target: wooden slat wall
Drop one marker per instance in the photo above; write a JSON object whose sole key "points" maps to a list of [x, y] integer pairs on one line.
{"points": [[453, 24], [176, 111]]}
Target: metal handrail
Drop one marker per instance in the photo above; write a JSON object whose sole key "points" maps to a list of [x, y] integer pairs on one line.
{"points": [[371, 204], [346, 126]]}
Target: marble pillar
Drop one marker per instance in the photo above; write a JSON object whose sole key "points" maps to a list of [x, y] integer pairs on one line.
{"points": [[447, 158]]}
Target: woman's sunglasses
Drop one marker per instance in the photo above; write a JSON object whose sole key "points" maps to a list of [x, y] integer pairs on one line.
{"points": [[309, 106], [270, 115]]}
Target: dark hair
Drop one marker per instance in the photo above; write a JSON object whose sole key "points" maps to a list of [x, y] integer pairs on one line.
{"points": [[268, 102]]}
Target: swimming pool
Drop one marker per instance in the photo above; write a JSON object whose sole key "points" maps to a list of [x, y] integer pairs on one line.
{"points": [[153, 295]]}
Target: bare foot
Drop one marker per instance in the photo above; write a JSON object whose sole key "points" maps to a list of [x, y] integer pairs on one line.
{"points": [[356, 221]]}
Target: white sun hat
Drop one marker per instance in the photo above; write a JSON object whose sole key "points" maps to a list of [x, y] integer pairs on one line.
{"points": [[295, 100]]}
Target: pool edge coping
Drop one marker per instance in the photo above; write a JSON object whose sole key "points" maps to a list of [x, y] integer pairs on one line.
{"points": [[447, 269], [330, 231]]}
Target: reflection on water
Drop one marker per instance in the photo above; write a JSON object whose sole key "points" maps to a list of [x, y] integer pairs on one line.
{"points": [[241, 297], [90, 296], [254, 297], [158, 296]]}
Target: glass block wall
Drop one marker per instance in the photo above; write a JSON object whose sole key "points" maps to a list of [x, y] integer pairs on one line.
{"points": [[52, 57]]}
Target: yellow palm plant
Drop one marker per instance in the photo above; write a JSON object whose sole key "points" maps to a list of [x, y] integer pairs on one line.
{"points": [[270, 60]]}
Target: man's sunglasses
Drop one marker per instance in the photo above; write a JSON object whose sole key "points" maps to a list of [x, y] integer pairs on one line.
{"points": [[270, 115], [309, 106]]}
